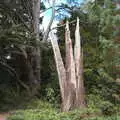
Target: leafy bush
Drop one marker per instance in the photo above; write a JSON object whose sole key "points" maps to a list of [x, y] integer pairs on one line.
{"points": [[50, 95], [38, 104], [97, 102], [108, 108]]}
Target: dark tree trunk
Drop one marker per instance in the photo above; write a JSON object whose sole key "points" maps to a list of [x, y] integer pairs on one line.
{"points": [[36, 16]]}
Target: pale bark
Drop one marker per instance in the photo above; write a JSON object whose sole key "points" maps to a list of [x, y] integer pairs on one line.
{"points": [[70, 72], [70, 76], [70, 65], [59, 64], [80, 92]]}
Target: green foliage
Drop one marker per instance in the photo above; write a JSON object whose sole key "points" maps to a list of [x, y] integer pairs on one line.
{"points": [[108, 108], [50, 95], [105, 106], [98, 28], [51, 114], [35, 103], [98, 31], [41, 110], [50, 85], [107, 17], [15, 35], [16, 30]]}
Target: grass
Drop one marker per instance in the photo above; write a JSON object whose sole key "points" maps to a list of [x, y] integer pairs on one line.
{"points": [[40, 110], [53, 115]]}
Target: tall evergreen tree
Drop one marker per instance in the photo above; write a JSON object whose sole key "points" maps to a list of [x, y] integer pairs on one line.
{"points": [[20, 22]]}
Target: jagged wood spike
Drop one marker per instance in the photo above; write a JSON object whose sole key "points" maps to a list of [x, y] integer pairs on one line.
{"points": [[70, 71], [70, 76], [70, 65], [80, 92]]}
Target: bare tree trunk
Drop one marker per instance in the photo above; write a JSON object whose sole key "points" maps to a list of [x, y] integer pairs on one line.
{"points": [[80, 92], [70, 72], [70, 77], [60, 66]]}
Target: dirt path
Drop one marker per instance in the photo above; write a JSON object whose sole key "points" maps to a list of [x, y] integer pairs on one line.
{"points": [[3, 116]]}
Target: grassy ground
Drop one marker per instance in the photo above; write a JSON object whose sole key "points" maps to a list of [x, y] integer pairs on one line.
{"points": [[40, 110]]}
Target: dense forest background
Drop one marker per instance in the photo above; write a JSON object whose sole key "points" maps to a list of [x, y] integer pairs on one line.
{"points": [[29, 85]]}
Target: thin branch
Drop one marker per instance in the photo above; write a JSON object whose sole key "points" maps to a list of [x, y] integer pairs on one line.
{"points": [[12, 72], [22, 50], [9, 69], [57, 6], [74, 21], [22, 21], [46, 10], [50, 23], [63, 25]]}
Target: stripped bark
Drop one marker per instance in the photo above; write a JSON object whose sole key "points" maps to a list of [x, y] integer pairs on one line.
{"points": [[70, 72], [80, 92], [60, 66], [70, 65], [70, 76]]}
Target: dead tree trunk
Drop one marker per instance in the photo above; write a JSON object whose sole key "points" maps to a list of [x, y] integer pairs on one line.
{"points": [[70, 76], [60, 66], [70, 72], [80, 92]]}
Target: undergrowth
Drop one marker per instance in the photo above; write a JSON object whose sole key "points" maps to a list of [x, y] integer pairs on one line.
{"points": [[41, 110]]}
